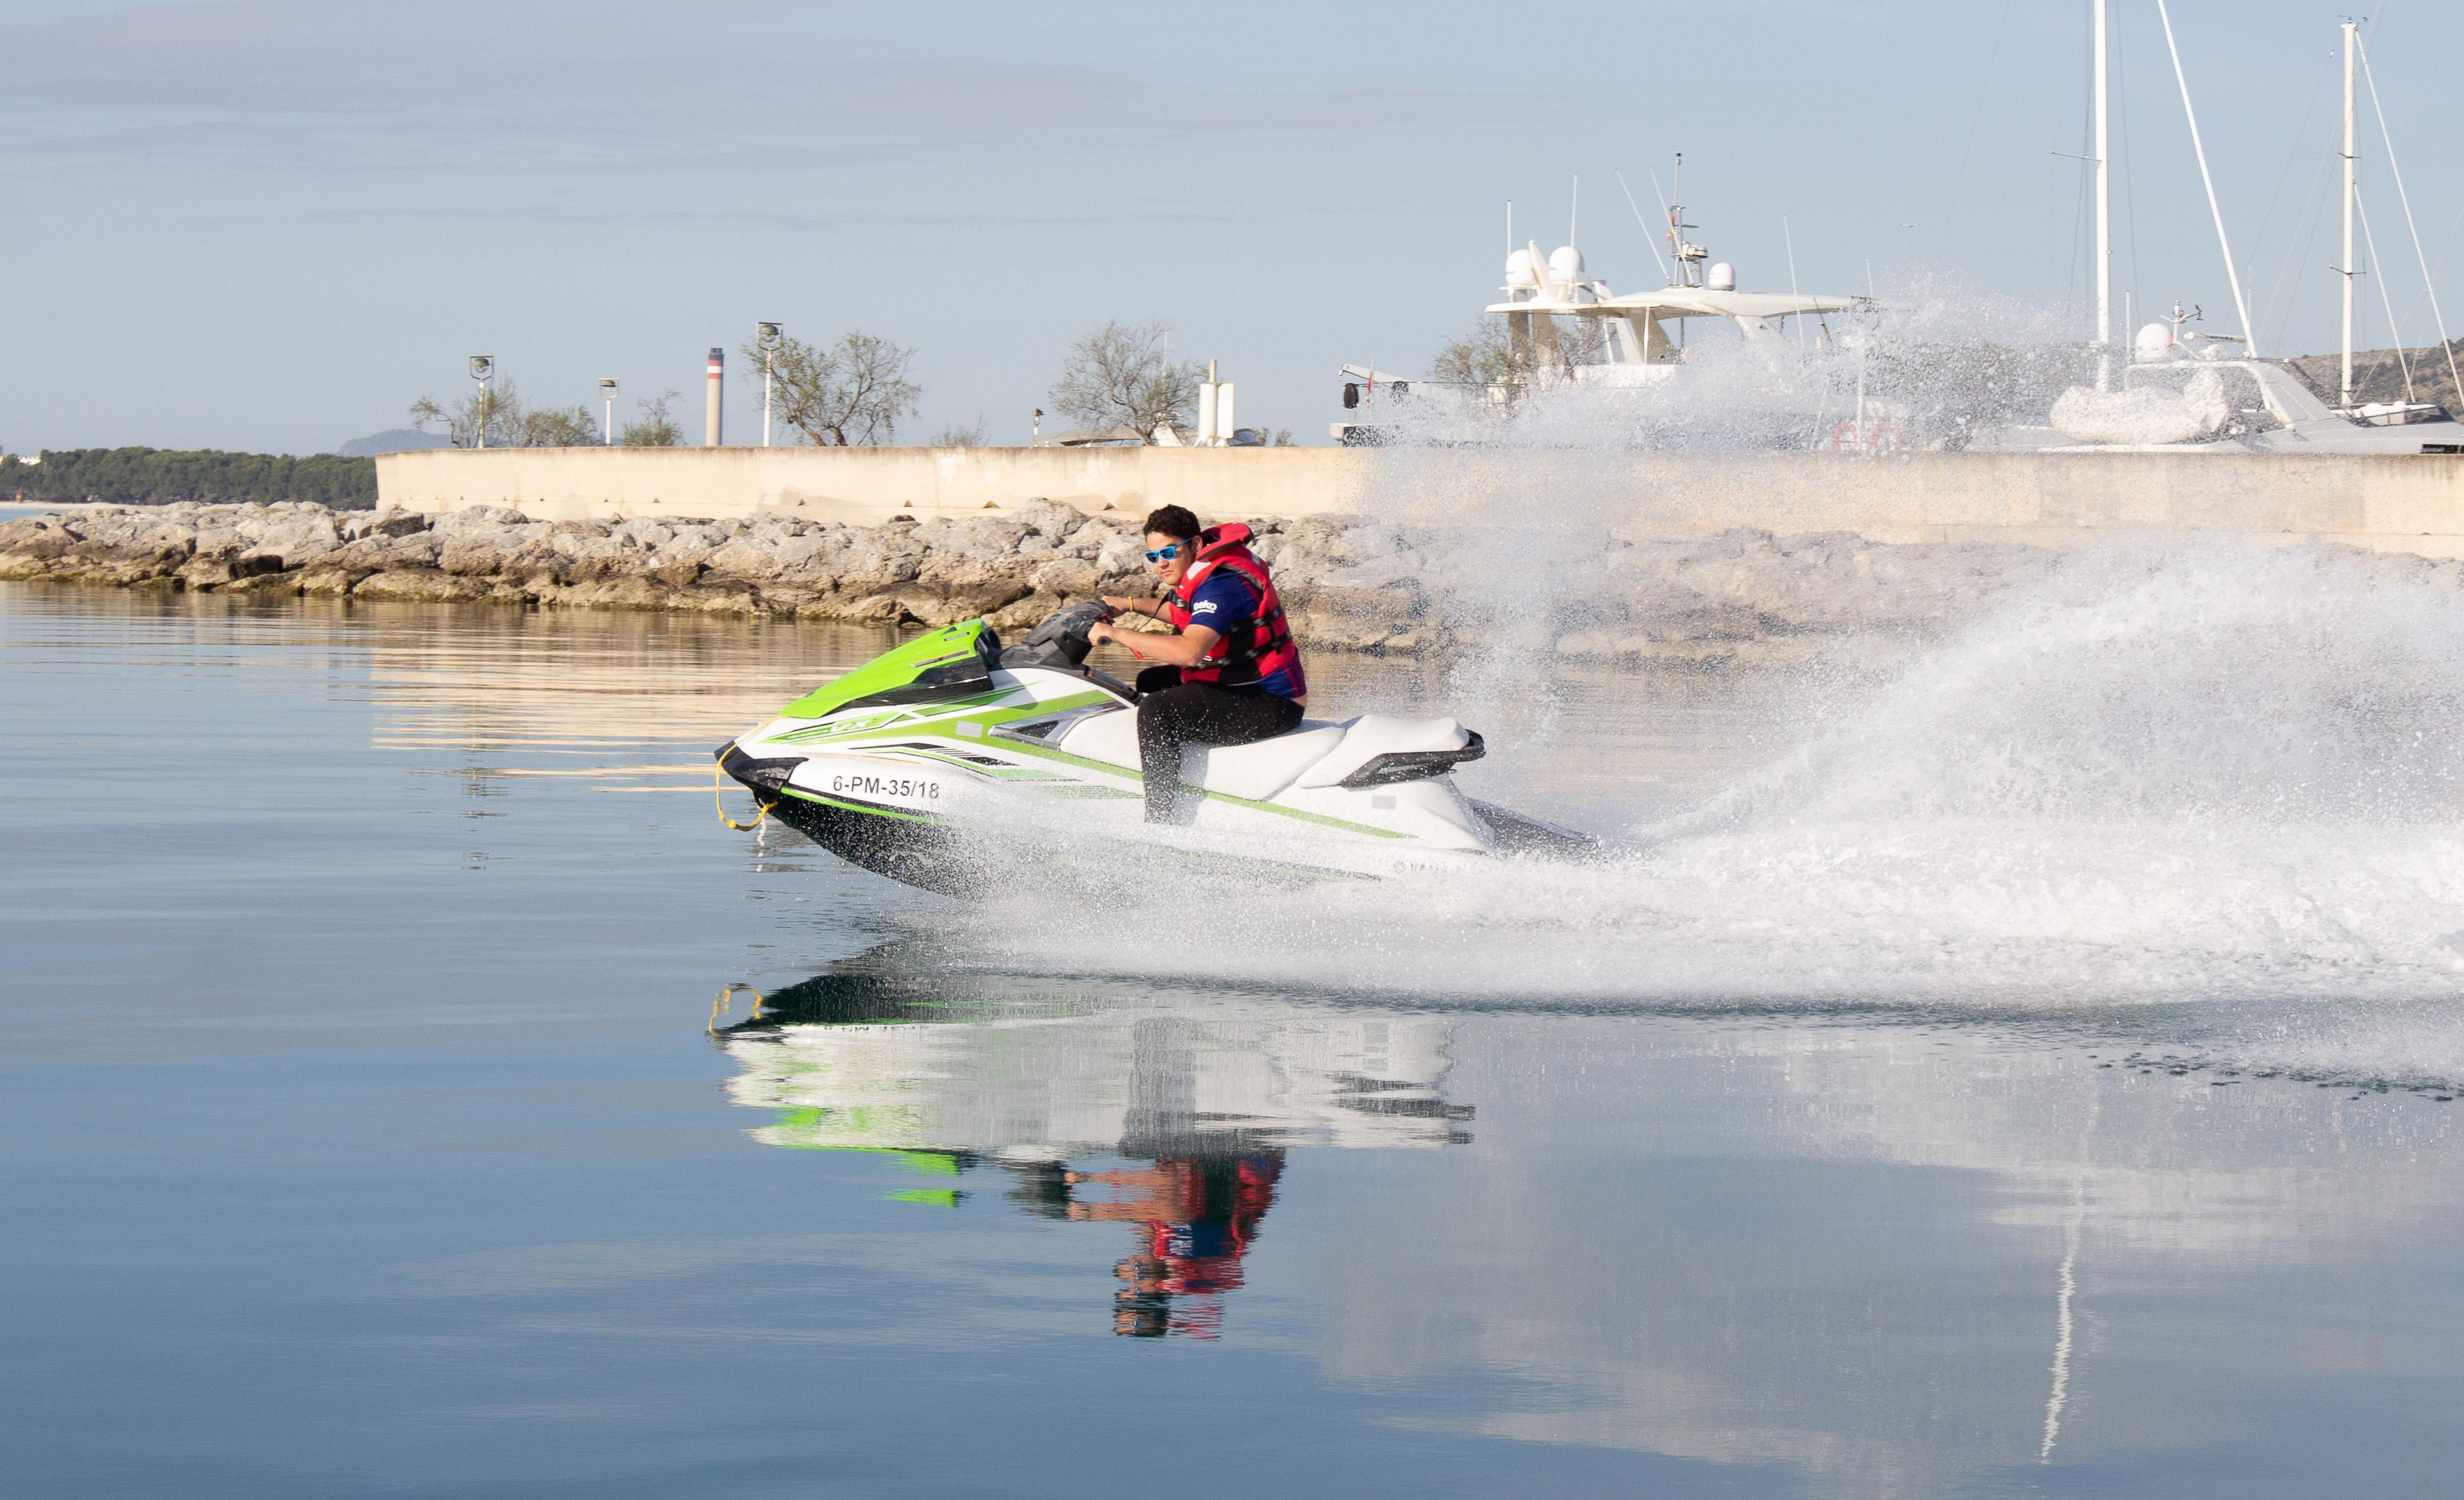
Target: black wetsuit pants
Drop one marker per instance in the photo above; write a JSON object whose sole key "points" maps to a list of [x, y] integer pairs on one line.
{"points": [[1173, 713]]}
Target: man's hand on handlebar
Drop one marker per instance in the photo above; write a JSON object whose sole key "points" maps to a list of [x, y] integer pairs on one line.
{"points": [[1114, 607]]}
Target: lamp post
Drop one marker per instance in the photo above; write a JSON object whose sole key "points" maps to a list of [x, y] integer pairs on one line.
{"points": [[1039, 423], [765, 337], [483, 369], [607, 394]]}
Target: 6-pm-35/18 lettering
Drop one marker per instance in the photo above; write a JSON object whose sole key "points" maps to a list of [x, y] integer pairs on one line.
{"points": [[886, 786]]}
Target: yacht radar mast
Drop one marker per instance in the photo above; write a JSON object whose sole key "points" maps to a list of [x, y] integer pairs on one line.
{"points": [[1685, 257]]}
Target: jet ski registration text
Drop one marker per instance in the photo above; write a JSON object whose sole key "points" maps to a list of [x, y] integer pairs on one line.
{"points": [[911, 788]]}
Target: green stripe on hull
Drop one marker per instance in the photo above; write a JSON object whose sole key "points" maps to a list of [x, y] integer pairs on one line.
{"points": [[1127, 774], [942, 721], [793, 790]]}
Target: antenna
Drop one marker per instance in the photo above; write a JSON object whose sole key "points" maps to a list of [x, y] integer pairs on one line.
{"points": [[1670, 215], [1685, 257], [1793, 293], [2396, 173], [2345, 388], [1643, 223], [2104, 195], [2232, 275]]}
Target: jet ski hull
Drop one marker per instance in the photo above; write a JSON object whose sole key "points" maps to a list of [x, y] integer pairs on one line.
{"points": [[905, 846], [960, 856], [965, 776]]}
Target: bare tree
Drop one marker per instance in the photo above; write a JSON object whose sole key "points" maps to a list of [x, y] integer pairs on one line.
{"points": [[1488, 357], [848, 394], [1581, 340], [1122, 375], [652, 427], [1485, 358], [957, 436], [497, 410], [482, 412]]}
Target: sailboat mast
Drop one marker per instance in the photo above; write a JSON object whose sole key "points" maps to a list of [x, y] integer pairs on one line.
{"points": [[2351, 192], [2104, 190], [2215, 210]]}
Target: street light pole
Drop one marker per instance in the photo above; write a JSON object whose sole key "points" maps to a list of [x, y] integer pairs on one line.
{"points": [[608, 393], [766, 335], [483, 369]]}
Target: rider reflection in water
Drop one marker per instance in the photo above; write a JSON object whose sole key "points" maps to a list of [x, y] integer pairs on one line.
{"points": [[1232, 676], [1196, 1209], [1197, 1217]]}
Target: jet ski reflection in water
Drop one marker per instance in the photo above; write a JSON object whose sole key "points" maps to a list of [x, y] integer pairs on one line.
{"points": [[1119, 1104], [951, 763]]}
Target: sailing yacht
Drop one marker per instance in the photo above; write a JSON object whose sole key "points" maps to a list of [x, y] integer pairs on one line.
{"points": [[2179, 391]]}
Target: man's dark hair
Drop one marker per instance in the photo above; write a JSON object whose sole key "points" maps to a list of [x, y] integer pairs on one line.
{"points": [[1173, 520]]}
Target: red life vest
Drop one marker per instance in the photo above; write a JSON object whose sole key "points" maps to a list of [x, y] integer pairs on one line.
{"points": [[1252, 649]]}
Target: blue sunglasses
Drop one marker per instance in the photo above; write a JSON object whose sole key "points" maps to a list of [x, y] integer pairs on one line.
{"points": [[1162, 553]]}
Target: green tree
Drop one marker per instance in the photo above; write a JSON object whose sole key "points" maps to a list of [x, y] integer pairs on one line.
{"points": [[497, 410], [1485, 358], [159, 477], [652, 427], [1122, 375], [849, 394], [557, 427]]}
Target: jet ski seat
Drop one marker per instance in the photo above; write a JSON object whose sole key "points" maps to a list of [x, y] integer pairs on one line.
{"points": [[1260, 769], [1254, 771], [1379, 749], [1373, 748]]}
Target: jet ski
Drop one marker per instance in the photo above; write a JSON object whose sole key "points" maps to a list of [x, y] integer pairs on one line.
{"points": [[952, 762]]}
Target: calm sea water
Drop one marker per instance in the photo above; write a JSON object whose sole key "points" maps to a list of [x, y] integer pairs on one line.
{"points": [[409, 1087]]}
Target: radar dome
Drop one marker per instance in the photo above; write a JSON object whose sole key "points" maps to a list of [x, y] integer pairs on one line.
{"points": [[1720, 277], [1565, 264], [2155, 342], [1520, 272]]}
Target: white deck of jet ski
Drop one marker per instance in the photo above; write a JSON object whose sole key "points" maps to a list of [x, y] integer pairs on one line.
{"points": [[939, 782], [1317, 754]]}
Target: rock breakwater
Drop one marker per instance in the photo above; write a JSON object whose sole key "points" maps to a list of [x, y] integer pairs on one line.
{"points": [[1349, 581]]}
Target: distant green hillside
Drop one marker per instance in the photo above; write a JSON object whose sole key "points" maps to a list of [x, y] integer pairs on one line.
{"points": [[160, 476]]}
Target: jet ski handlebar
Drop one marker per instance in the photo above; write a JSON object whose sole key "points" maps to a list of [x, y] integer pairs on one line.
{"points": [[1061, 644]]}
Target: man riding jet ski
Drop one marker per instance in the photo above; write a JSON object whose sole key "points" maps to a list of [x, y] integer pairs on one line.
{"points": [[1232, 676], [953, 764]]}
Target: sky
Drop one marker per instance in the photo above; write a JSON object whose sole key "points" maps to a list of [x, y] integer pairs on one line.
{"points": [[271, 225]]}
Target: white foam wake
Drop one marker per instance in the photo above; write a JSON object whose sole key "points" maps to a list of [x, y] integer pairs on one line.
{"points": [[2204, 775]]}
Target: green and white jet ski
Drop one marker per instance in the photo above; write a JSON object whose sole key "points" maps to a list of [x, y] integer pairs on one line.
{"points": [[952, 764]]}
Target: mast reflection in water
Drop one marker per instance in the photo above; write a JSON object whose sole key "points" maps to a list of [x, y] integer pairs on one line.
{"points": [[1101, 1111]]}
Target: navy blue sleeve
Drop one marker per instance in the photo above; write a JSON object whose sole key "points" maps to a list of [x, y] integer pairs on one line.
{"points": [[1223, 601]]}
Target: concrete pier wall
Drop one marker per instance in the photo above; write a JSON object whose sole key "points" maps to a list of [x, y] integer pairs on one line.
{"points": [[2386, 503], [867, 486]]}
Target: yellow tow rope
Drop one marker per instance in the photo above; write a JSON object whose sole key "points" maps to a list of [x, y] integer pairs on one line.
{"points": [[718, 791], [727, 999]]}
